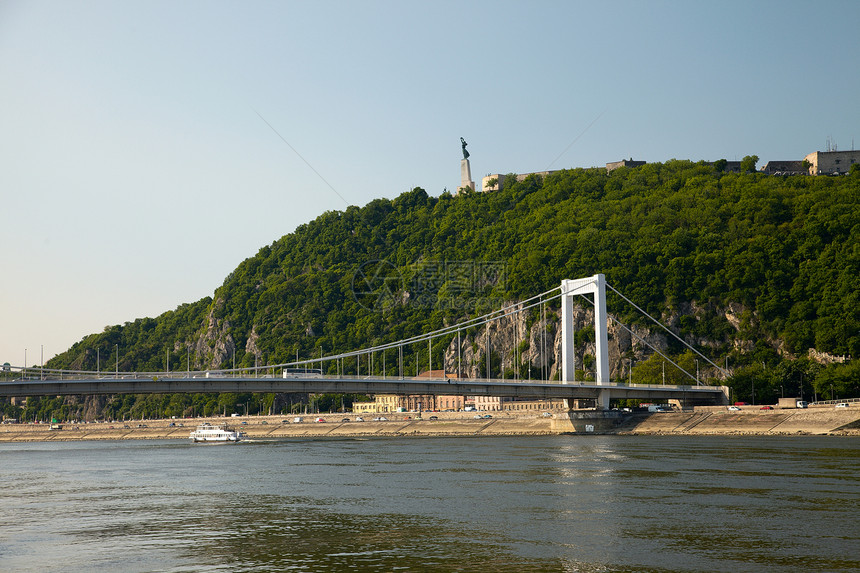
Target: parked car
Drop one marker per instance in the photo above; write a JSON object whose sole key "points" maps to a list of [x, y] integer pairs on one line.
{"points": [[264, 422], [345, 420], [434, 417], [359, 419], [734, 409], [766, 408], [486, 416], [320, 420], [298, 420], [842, 405]]}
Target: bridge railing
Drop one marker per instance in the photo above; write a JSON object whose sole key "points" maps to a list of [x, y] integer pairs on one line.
{"points": [[36, 375]]}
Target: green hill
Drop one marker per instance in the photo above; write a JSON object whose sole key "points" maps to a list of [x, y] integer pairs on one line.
{"points": [[754, 269]]}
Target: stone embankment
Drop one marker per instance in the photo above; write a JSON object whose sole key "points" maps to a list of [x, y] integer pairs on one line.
{"points": [[749, 420], [713, 421]]}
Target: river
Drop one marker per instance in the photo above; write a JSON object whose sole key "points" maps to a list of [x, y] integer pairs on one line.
{"points": [[554, 503]]}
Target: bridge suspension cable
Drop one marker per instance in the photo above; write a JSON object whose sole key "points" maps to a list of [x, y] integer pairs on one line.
{"points": [[539, 300], [664, 327], [473, 322]]}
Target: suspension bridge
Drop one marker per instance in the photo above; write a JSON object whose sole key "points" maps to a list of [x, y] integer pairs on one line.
{"points": [[311, 376]]}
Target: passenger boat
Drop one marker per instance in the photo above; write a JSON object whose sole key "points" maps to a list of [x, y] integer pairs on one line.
{"points": [[206, 432]]}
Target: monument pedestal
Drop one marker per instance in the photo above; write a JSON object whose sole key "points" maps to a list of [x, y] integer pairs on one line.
{"points": [[466, 175]]}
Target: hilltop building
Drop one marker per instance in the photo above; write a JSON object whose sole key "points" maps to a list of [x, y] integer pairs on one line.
{"points": [[819, 163], [784, 168], [623, 163], [831, 162], [730, 166], [495, 181]]}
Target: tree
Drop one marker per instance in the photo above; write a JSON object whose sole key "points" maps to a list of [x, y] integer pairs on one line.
{"points": [[656, 370], [748, 163], [720, 165]]}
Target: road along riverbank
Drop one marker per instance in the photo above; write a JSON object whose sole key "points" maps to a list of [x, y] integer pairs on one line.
{"points": [[713, 420]]}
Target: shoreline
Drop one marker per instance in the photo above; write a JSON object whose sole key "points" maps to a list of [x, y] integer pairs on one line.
{"points": [[706, 421]]}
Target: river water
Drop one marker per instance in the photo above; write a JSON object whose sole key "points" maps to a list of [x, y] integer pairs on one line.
{"points": [[555, 503]]}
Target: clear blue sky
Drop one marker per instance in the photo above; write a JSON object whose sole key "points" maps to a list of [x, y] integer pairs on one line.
{"points": [[136, 171]]}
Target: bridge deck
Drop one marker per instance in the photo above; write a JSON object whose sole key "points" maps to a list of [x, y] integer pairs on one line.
{"points": [[304, 384]]}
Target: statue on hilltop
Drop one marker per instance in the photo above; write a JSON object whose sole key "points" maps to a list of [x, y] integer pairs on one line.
{"points": [[463, 144]]}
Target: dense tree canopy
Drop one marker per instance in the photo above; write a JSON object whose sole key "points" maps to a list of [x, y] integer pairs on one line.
{"points": [[782, 250]]}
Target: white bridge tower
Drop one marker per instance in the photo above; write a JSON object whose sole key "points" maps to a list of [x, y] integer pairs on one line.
{"points": [[596, 286]]}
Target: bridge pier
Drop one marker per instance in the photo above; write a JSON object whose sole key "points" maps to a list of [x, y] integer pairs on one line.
{"points": [[595, 286]]}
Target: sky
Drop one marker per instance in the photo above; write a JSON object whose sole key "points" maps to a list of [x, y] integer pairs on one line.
{"points": [[148, 147]]}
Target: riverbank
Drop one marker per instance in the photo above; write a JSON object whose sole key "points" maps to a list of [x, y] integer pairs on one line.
{"points": [[277, 427], [824, 420], [715, 421]]}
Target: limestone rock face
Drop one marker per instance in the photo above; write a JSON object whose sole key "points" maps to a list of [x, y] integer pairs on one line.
{"points": [[251, 345], [825, 358], [533, 338], [215, 345]]}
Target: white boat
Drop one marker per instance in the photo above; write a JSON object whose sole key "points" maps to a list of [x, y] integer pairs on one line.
{"points": [[206, 432]]}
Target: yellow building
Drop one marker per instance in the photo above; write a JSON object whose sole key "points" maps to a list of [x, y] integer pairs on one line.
{"points": [[385, 403]]}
